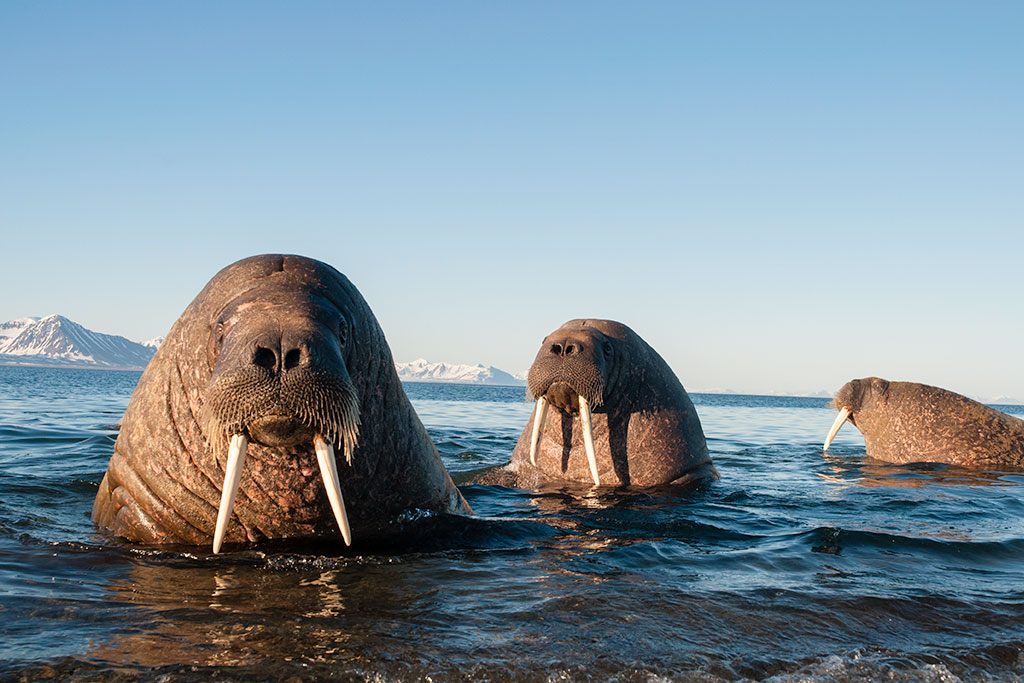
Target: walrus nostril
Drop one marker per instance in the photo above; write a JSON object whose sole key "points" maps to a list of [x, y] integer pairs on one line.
{"points": [[566, 348], [265, 358], [292, 359]]}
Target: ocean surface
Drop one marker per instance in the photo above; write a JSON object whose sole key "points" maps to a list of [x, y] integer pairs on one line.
{"points": [[795, 566]]}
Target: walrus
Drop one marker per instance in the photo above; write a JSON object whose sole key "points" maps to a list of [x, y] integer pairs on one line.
{"points": [[609, 411], [904, 422], [232, 429]]}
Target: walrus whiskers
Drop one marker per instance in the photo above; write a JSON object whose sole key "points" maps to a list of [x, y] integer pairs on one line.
{"points": [[840, 421], [337, 420]]}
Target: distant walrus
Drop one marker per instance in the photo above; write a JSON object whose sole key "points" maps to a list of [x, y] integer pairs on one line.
{"points": [[906, 422], [278, 359], [609, 411]]}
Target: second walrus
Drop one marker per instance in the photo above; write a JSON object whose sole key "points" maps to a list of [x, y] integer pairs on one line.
{"points": [[609, 411]]}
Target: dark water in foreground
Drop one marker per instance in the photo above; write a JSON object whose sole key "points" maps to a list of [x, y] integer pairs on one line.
{"points": [[795, 566]]}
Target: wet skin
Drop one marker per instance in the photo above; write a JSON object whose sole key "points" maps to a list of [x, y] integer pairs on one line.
{"points": [[904, 422]]}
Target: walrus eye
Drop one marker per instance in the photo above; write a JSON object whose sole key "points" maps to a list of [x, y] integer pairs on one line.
{"points": [[606, 347], [343, 331], [220, 333]]}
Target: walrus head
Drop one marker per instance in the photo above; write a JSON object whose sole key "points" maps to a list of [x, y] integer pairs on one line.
{"points": [[280, 379], [577, 367], [277, 360], [853, 397]]}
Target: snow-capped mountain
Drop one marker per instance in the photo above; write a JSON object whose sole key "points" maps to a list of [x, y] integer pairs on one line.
{"points": [[12, 328], [421, 370], [55, 340]]}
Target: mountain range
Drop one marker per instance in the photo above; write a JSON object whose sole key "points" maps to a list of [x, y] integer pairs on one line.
{"points": [[55, 340], [421, 370], [58, 341]]}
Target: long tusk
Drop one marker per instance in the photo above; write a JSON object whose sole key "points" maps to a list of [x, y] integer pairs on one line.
{"points": [[232, 475], [840, 419], [538, 421], [329, 473], [588, 438]]}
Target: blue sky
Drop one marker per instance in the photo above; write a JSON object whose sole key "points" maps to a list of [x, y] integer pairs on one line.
{"points": [[777, 196]]}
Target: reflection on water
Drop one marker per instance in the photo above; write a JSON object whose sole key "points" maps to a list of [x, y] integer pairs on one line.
{"points": [[213, 615], [796, 563], [863, 471]]}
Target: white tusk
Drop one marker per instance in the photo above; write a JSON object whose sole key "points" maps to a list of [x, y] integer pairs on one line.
{"points": [[538, 422], [588, 438], [232, 475], [840, 419], [329, 473]]}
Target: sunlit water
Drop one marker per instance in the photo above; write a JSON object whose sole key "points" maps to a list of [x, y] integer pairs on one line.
{"points": [[796, 565]]}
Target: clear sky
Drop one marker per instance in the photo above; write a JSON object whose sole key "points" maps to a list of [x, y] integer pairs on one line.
{"points": [[778, 196]]}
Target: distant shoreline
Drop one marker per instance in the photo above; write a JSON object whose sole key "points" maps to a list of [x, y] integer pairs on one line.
{"points": [[460, 383], [70, 366]]}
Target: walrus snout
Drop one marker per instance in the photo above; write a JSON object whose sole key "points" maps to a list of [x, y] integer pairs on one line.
{"points": [[569, 365], [562, 396], [282, 409], [569, 373], [279, 390], [563, 348], [856, 396], [280, 376], [280, 359], [279, 430]]}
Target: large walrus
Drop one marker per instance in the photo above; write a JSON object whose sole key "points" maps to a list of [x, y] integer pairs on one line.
{"points": [[609, 411], [231, 431], [905, 422]]}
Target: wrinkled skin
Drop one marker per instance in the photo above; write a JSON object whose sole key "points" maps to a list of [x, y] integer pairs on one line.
{"points": [[278, 349], [904, 422], [646, 430]]}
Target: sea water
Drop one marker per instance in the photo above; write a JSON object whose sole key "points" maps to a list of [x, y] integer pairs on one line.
{"points": [[796, 565]]}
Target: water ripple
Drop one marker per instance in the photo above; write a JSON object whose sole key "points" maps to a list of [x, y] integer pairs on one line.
{"points": [[795, 566]]}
